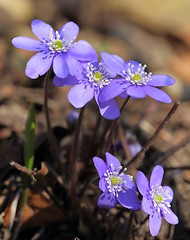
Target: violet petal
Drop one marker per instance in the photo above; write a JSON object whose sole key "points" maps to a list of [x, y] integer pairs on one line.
{"points": [[134, 63], [69, 31], [170, 217], [156, 176], [146, 205], [112, 62], [157, 94], [80, 95], [142, 183], [68, 81], [83, 52], [109, 109], [100, 166], [155, 222], [102, 185], [75, 67], [27, 43], [159, 80], [107, 200], [41, 29], [129, 199], [60, 66], [116, 87], [136, 91], [170, 192], [38, 65], [112, 160]]}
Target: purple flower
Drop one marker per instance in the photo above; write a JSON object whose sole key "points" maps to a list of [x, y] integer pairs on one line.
{"points": [[134, 81], [115, 185], [72, 118], [94, 77], [55, 48], [134, 148], [156, 199]]}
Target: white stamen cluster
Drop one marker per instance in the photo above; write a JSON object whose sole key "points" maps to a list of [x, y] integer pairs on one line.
{"points": [[56, 44], [159, 197], [99, 76], [139, 77], [115, 181]]}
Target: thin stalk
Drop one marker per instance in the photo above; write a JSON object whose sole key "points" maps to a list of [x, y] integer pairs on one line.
{"points": [[93, 144], [95, 132], [129, 225], [147, 145], [73, 161], [173, 150], [113, 126], [124, 144], [53, 143]]}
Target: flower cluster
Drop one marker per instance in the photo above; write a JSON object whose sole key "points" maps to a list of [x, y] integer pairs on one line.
{"points": [[119, 187], [115, 185], [76, 63]]}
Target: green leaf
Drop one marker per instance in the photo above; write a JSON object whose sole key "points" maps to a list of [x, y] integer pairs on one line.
{"points": [[29, 143]]}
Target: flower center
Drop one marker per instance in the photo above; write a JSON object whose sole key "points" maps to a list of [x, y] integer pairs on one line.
{"points": [[115, 180], [160, 198], [137, 75], [98, 75], [56, 44]]}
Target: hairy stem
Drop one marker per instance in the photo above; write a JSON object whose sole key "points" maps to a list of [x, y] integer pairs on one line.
{"points": [[73, 161], [53, 143]]}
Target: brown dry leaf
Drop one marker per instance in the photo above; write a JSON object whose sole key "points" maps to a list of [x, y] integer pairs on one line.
{"points": [[37, 212]]}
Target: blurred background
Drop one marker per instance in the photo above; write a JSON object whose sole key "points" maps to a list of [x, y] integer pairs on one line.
{"points": [[154, 32]]}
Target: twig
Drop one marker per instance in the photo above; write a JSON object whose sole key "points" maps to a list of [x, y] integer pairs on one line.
{"points": [[38, 234], [173, 150], [23, 169], [187, 167], [55, 174], [141, 223], [147, 145]]}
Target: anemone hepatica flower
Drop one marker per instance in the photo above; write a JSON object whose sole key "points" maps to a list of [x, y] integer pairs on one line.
{"points": [[55, 48], [134, 81], [115, 185], [156, 199], [95, 76]]}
